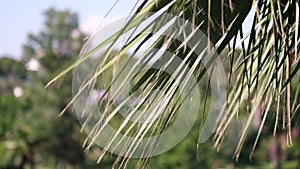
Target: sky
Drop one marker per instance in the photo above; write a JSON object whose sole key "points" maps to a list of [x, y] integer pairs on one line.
{"points": [[18, 18]]}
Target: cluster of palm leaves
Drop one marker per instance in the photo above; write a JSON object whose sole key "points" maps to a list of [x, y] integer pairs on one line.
{"points": [[262, 78]]}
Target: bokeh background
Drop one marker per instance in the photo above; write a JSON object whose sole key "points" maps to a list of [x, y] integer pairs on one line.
{"points": [[41, 38]]}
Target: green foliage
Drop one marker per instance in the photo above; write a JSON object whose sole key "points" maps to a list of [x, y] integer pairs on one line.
{"points": [[60, 40], [11, 67], [32, 134]]}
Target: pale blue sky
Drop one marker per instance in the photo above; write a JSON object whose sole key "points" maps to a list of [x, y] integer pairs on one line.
{"points": [[18, 18]]}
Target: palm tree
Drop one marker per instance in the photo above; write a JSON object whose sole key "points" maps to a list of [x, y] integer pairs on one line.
{"points": [[259, 78]]}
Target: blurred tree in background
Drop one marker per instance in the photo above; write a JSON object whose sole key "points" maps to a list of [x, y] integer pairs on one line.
{"points": [[31, 132]]}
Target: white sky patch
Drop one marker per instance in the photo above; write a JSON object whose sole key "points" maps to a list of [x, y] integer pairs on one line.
{"points": [[32, 65], [94, 22], [75, 34], [18, 91]]}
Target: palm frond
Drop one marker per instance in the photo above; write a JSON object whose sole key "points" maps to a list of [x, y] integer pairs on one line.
{"points": [[260, 76]]}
